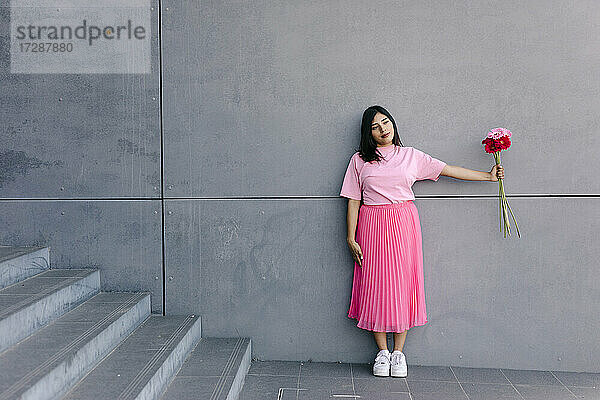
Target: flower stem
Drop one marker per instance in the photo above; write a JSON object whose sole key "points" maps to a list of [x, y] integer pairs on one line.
{"points": [[504, 201], [511, 213], [500, 206], [496, 156]]}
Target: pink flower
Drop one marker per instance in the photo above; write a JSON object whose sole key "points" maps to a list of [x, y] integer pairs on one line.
{"points": [[497, 133]]}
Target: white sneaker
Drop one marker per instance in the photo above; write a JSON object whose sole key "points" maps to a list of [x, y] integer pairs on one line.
{"points": [[382, 363], [398, 366]]}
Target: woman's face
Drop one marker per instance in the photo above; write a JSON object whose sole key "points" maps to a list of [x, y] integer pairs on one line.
{"points": [[382, 130]]}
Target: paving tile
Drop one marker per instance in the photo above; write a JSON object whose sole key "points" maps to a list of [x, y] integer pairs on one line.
{"points": [[306, 394], [361, 371], [587, 379], [379, 383], [529, 377], [382, 396], [265, 387], [341, 370], [418, 372], [491, 391], [245, 395], [480, 375], [325, 380], [587, 393], [430, 390], [335, 385], [547, 392], [316, 394], [284, 368], [439, 396]]}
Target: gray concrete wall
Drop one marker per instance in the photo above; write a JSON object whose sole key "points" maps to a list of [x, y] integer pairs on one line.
{"points": [[261, 111], [80, 166]]}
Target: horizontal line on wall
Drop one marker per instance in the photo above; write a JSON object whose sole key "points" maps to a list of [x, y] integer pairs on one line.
{"points": [[445, 196], [82, 199]]}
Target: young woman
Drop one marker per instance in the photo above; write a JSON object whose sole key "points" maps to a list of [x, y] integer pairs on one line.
{"points": [[384, 233]]}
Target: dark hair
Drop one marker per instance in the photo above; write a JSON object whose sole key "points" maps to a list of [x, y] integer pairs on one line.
{"points": [[368, 147]]}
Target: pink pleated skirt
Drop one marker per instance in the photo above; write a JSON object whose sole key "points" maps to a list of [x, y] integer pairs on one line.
{"points": [[388, 291]]}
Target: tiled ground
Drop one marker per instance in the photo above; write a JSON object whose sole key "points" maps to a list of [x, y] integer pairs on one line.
{"points": [[289, 380]]}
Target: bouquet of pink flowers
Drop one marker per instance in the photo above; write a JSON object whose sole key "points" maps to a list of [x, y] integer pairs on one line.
{"points": [[498, 139]]}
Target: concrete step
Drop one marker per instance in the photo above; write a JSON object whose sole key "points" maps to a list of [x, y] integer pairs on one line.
{"points": [[30, 304], [215, 370], [50, 362], [144, 364], [19, 262]]}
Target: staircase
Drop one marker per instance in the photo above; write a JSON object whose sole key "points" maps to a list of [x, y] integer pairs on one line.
{"points": [[61, 337]]}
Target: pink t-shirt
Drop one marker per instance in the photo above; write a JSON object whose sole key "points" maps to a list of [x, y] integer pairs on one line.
{"points": [[390, 180]]}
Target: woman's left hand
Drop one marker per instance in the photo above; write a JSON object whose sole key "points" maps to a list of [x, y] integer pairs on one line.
{"points": [[496, 173]]}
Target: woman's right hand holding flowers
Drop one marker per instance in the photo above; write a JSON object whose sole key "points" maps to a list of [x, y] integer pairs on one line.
{"points": [[356, 251]]}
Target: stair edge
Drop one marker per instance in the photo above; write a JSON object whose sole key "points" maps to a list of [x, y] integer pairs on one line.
{"points": [[22, 266], [49, 386], [48, 309]]}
